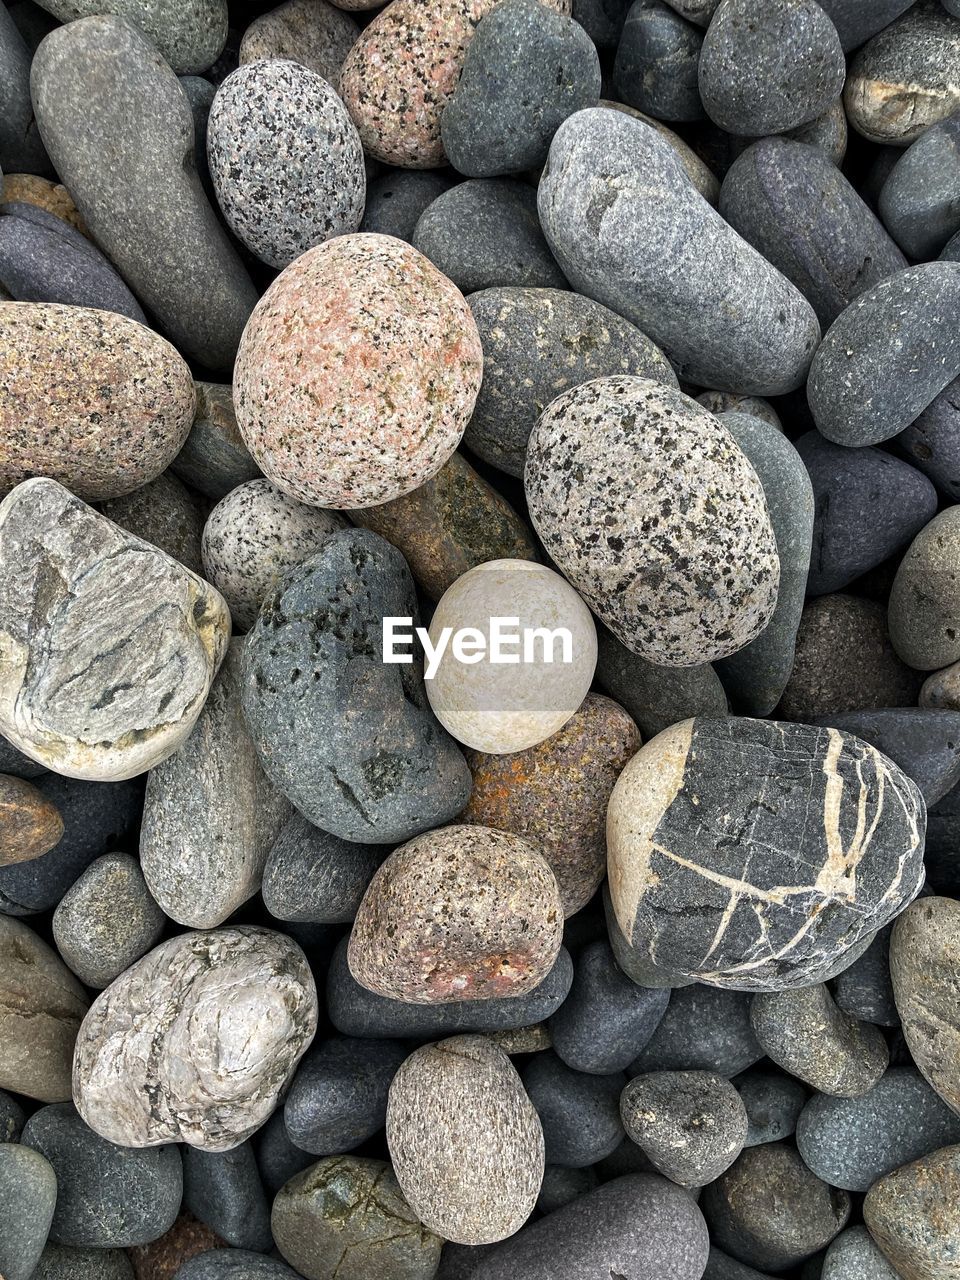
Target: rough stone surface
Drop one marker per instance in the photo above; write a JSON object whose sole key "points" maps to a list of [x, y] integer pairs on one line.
{"points": [[312, 32], [912, 1215], [772, 1103], [164, 513], [702, 177], [691, 1125], [853, 1255], [224, 1190], [61, 1262], [703, 1029], [925, 743], [656, 63], [190, 35], [28, 1193], [720, 1266], [942, 689], [580, 1113], [214, 458], [30, 823], [924, 608], [234, 1264], [315, 877], [338, 1098], [12, 1118], [919, 201], [864, 990], [856, 22]]}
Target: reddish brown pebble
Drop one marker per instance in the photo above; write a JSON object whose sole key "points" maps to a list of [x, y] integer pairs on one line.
{"points": [[30, 824], [556, 794], [461, 913], [163, 1258]]}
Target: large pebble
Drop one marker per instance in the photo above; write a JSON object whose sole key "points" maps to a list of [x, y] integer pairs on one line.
{"points": [[214, 458], [656, 697], [338, 1098], [190, 34], [21, 146], [196, 1041], [579, 1112], [28, 1193], [224, 1190], [924, 606], [313, 876], [919, 200], [657, 60], [162, 512], [692, 1125], [312, 32], [703, 1029], [695, 168], [912, 1214]]}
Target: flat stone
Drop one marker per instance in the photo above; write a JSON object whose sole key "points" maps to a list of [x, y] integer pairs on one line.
{"points": [[580, 1113], [312, 32], [772, 1103], [315, 877], [919, 199], [912, 1215], [338, 1098], [28, 1193], [924, 607], [703, 1029], [856, 23], [656, 64], [30, 823], [164, 513], [226, 1016], [853, 1255], [214, 458], [21, 146], [61, 1262], [925, 743], [397, 198], [931, 441], [223, 1189], [692, 1125], [465, 1140]]}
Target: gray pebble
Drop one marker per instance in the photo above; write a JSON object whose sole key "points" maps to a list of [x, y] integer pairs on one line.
{"points": [[692, 1125], [702, 177], [920, 201], [855, 1255], [214, 458], [164, 513], [223, 1190], [720, 1266], [772, 1102], [396, 200], [60, 1262], [190, 34], [657, 59], [638, 967], [562, 1185], [703, 1029], [924, 608], [602, 20], [856, 22], [912, 1214], [923, 741], [943, 837], [234, 1264], [829, 132], [864, 990], [200, 94], [338, 1098], [21, 147], [28, 1193], [932, 441], [698, 11], [580, 1113], [12, 1118], [278, 1159], [721, 402], [313, 876], [312, 32]]}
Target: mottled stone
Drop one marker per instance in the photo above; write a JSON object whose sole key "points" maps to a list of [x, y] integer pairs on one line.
{"points": [[864, 990], [703, 1029], [923, 742], [190, 34], [406, 391], [924, 607], [30, 823], [164, 513], [61, 1262], [397, 198], [690, 1124], [712, 818], [214, 458], [857, 22], [224, 1190], [312, 32], [772, 1103], [919, 201], [580, 1113], [912, 1215], [28, 188], [613, 189], [932, 441], [537, 343], [90, 398], [656, 63], [21, 146], [463, 912], [28, 1193], [313, 876], [197, 1040], [465, 1140], [695, 168], [338, 1098]]}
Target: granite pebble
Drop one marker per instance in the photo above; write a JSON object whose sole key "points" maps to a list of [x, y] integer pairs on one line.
{"points": [[692, 1125]]}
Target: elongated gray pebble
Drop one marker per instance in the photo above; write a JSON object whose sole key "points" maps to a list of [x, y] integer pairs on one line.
{"points": [[920, 200]]}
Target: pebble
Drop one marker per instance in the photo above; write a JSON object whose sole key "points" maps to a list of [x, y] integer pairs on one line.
{"points": [[637, 966], [856, 22], [397, 198], [806, 1034], [561, 1186], [923, 742], [338, 1098], [98, 80], [670, 488], [314, 33], [408, 387], [465, 1140], [943, 824], [528, 67], [486, 234], [699, 902], [345, 1218], [196, 1041], [703, 1029], [930, 442], [360, 755], [74, 696], [924, 605], [12, 1118], [722, 1267], [579, 1112], [602, 20], [28, 1193], [60, 1262], [53, 197], [768, 1210], [853, 1255], [285, 159], [21, 146], [918, 202], [941, 691], [164, 513], [315, 877], [691, 1125], [612, 188], [463, 912], [656, 64], [905, 78], [696, 170], [223, 1189], [234, 1264], [107, 920], [30, 823], [190, 36], [214, 458], [864, 990], [772, 1102], [90, 398], [912, 1215]]}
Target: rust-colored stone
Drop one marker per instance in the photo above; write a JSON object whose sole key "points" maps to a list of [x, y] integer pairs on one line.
{"points": [[30, 824]]}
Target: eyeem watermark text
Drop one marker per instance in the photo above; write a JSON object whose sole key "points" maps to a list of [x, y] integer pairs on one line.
{"points": [[505, 643]]}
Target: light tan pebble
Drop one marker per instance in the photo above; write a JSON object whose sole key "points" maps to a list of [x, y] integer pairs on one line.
{"points": [[312, 32]]}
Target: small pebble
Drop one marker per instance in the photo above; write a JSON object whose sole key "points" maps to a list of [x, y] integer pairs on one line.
{"points": [[853, 1255], [924, 606], [772, 1102], [657, 60], [396, 200], [315, 877], [690, 1124], [28, 1193], [338, 1098], [312, 32], [30, 823], [580, 1113], [919, 200], [223, 1190], [214, 458], [162, 512], [864, 990]]}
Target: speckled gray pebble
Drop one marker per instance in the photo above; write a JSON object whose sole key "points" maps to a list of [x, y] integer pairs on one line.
{"points": [[920, 201], [772, 1102], [864, 990], [162, 512], [313, 876], [703, 1029], [932, 441], [190, 34], [21, 148], [656, 697], [923, 741], [613, 190], [214, 458], [580, 1113], [285, 159], [223, 1190], [924, 607], [232, 1264], [28, 1193], [200, 94], [855, 1255], [338, 1098], [396, 200], [656, 65], [317, 34], [692, 1125], [562, 1185]]}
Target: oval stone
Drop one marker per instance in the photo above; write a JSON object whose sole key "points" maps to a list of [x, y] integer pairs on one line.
{"points": [[912, 1214], [30, 823], [190, 34], [214, 458], [924, 608], [312, 32]]}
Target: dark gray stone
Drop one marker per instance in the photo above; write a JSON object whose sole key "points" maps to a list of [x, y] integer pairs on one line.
{"points": [[527, 69], [722, 1267], [856, 22], [855, 1255], [923, 609], [214, 458], [791, 202], [580, 1113], [460, 1261], [12, 1118], [278, 1158], [109, 1197], [638, 967], [772, 1103], [162, 512], [338, 1098], [59, 1262], [484, 233], [932, 441], [234, 1264], [865, 990], [703, 1029], [691, 1124], [15, 762], [315, 877], [561, 1185], [21, 148], [28, 1192], [869, 506], [396, 200], [191, 36], [657, 59], [920, 200], [602, 20], [613, 190], [200, 94], [607, 1019], [352, 742], [95, 82], [829, 132], [942, 854], [223, 1189], [923, 741]]}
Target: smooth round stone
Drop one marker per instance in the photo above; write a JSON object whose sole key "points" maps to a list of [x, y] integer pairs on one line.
{"points": [[108, 1196], [107, 920], [406, 392], [401, 74], [224, 1190], [527, 69], [656, 697], [674, 497], [214, 458], [698, 11], [229, 1264], [164, 513], [612, 190], [923, 742], [397, 198], [888, 355], [696, 170], [466, 1143], [703, 1029], [853, 1255], [906, 78], [580, 1113], [864, 990], [315, 877], [21, 146], [485, 234], [460, 913], [555, 794], [338, 1098], [639, 1226], [44, 1005], [253, 537], [912, 1215], [12, 1118], [856, 489], [845, 662], [537, 343], [28, 1193], [345, 1218], [93, 691], [116, 121], [561, 1186], [656, 64], [490, 704], [920, 200], [791, 202], [806, 1034], [90, 398], [691, 1125], [285, 159], [852, 1143], [190, 35], [196, 1041], [857, 22], [772, 1103], [770, 1211], [277, 1158], [30, 823], [924, 606], [714, 909], [312, 32], [931, 441]]}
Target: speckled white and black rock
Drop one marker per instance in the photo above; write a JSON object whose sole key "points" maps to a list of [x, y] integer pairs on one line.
{"points": [[756, 855], [630, 230], [196, 1042], [649, 507], [107, 646], [285, 159]]}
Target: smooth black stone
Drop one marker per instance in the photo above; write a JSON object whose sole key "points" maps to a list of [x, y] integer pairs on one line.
{"points": [[942, 851], [234, 1264], [223, 1189], [460, 1261], [338, 1098], [396, 200], [21, 148], [923, 741], [561, 1185], [15, 762], [638, 966], [865, 990], [317, 878], [657, 60], [602, 20], [932, 441], [580, 1113], [772, 1101], [720, 1266], [703, 1029], [12, 1118], [278, 1159]]}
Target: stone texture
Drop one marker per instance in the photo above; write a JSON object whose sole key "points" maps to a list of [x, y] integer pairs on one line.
{"points": [[656, 63], [602, 20], [164, 513], [722, 1267], [853, 1255], [163, 1258], [21, 146], [73, 696], [214, 458], [864, 989], [12, 1118], [695, 168], [912, 1215], [930, 442], [580, 1113], [223, 1189], [856, 22], [28, 188], [197, 1040], [465, 1141], [61, 1262], [942, 689], [28, 1193], [924, 607], [338, 1098], [923, 742], [312, 32], [398, 197], [189, 35], [30, 823], [691, 1125], [703, 1029], [315, 877], [561, 1186], [919, 199], [772, 1102]]}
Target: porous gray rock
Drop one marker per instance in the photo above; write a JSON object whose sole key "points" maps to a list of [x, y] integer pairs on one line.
{"points": [[920, 200], [656, 65], [690, 1124], [923, 612], [190, 34]]}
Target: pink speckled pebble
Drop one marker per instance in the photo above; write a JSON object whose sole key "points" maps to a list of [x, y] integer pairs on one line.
{"points": [[357, 373], [403, 70]]}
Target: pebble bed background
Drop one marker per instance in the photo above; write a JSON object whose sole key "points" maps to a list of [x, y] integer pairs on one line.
{"points": [[643, 319]]}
